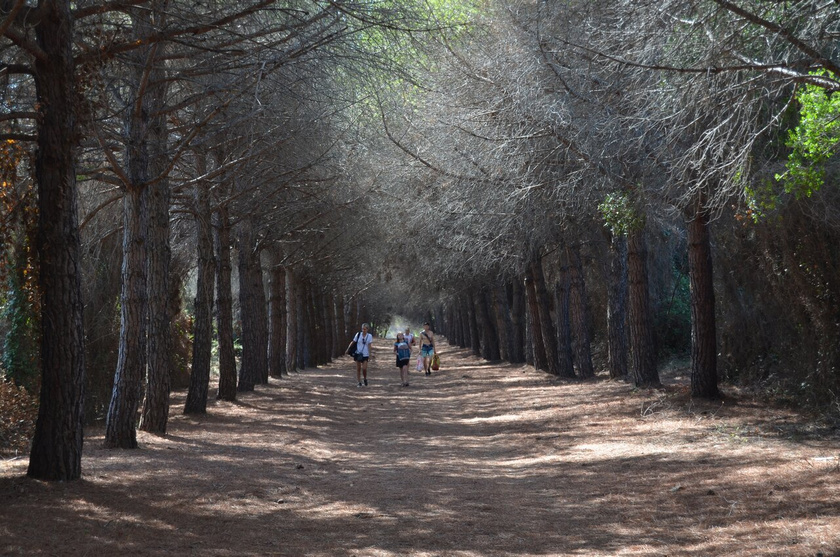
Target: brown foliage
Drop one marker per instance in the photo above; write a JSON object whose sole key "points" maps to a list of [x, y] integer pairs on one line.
{"points": [[18, 412]]}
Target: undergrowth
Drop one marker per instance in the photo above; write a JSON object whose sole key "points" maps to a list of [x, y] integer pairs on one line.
{"points": [[18, 412]]}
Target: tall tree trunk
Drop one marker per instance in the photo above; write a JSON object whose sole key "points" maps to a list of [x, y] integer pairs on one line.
{"points": [[131, 363], [277, 320], [304, 324], [224, 309], [518, 321], [291, 321], [57, 446], [475, 334], [252, 311], [466, 340], [562, 296], [537, 352], [489, 328], [120, 421], [155, 412], [501, 313], [642, 348], [617, 307], [544, 311], [579, 313], [203, 324], [330, 327], [704, 380], [340, 326]]}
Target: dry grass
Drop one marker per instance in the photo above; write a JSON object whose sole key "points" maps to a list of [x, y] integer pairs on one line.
{"points": [[479, 459]]}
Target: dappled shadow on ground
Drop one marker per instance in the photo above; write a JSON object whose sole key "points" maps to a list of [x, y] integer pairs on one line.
{"points": [[478, 459]]}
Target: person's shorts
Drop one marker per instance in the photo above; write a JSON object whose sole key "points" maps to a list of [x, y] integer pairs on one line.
{"points": [[360, 358], [403, 362], [427, 351]]}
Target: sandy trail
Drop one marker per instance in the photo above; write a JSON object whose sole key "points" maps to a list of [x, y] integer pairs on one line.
{"points": [[478, 459]]}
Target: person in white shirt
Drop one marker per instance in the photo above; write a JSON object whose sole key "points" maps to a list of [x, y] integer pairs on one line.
{"points": [[363, 340], [409, 338]]}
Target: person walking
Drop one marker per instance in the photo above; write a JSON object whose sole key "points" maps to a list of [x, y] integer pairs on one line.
{"points": [[427, 347], [403, 351], [363, 340], [409, 337]]}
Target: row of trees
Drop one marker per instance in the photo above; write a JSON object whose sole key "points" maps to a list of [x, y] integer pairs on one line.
{"points": [[559, 142], [540, 179], [170, 136]]}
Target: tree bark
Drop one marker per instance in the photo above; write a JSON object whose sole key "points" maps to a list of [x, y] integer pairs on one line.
{"points": [[340, 326], [489, 333], [535, 332], [155, 412], [291, 321], [466, 340], [330, 326], [277, 320], [203, 323], [617, 307], [120, 420], [704, 379], [224, 307], [579, 314], [475, 334], [562, 296], [501, 313], [252, 311], [544, 312], [518, 321], [57, 446], [644, 369]]}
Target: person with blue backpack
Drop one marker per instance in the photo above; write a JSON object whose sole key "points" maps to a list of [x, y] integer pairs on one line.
{"points": [[403, 351]]}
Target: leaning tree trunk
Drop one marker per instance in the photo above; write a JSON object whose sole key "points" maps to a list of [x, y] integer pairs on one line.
{"points": [[252, 311], [224, 307], [544, 312], [203, 322], [579, 313], [57, 446], [277, 320], [120, 421], [617, 307], [645, 373], [534, 330], [562, 296], [704, 380], [291, 321]]}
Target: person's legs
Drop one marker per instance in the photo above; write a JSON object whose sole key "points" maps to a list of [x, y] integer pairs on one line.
{"points": [[359, 372], [404, 374], [364, 370]]}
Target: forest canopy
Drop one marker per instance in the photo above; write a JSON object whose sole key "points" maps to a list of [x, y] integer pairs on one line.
{"points": [[204, 195]]}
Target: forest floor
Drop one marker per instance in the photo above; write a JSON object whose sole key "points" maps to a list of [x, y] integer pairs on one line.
{"points": [[477, 459]]}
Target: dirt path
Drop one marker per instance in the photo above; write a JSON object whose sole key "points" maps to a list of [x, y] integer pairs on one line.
{"points": [[478, 459]]}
